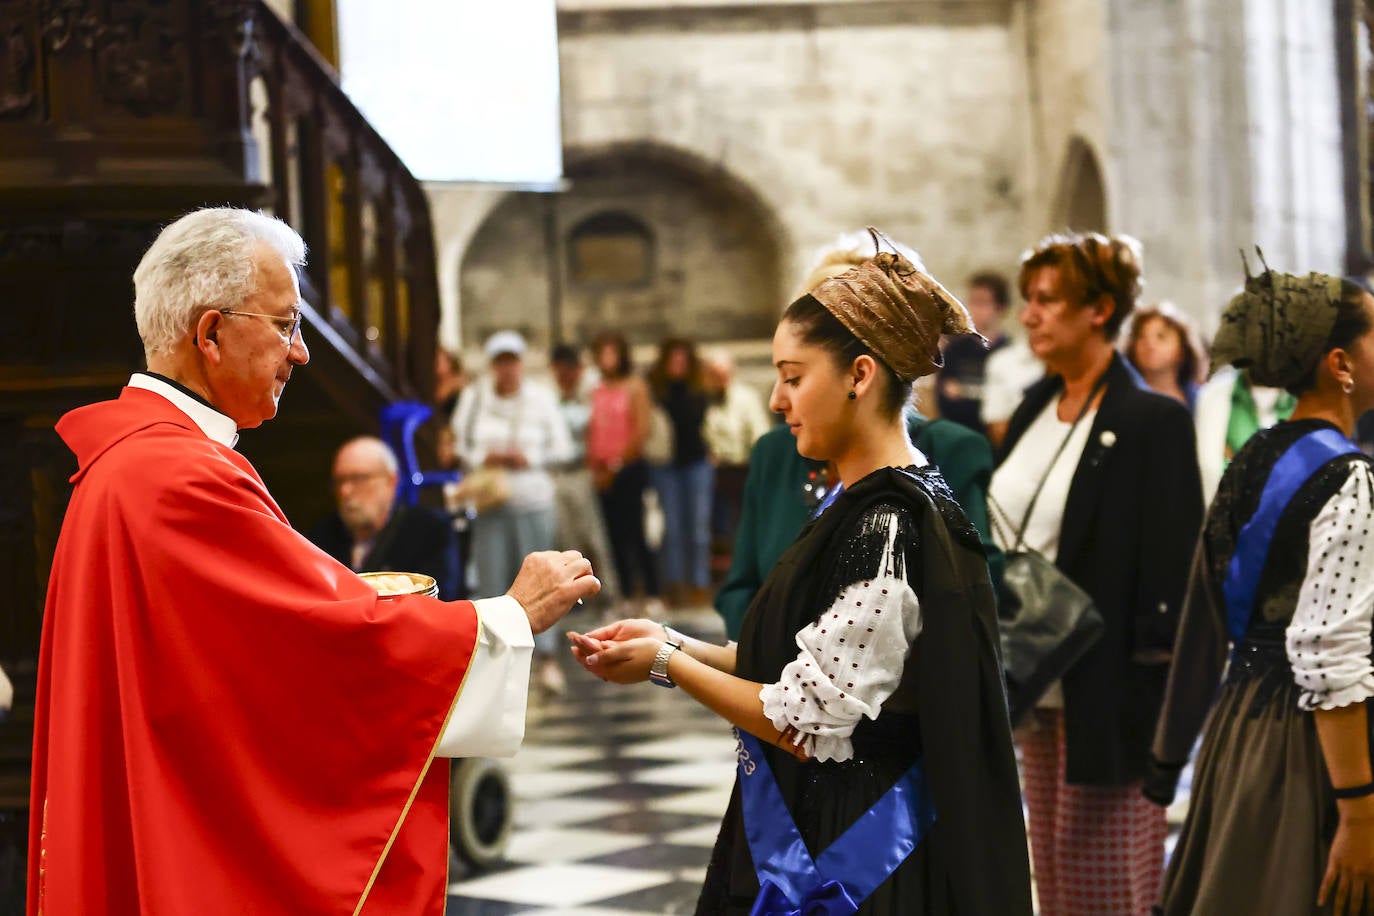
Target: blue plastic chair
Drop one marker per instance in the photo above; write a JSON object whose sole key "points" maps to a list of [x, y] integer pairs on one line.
{"points": [[399, 423]]}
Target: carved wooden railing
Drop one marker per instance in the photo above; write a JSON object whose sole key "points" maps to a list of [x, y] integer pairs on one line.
{"points": [[119, 115], [371, 270]]}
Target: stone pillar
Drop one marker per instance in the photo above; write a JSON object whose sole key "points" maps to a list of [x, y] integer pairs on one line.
{"points": [[1225, 133]]}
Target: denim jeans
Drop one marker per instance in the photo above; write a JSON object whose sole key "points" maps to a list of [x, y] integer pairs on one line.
{"points": [[501, 538], [686, 493]]}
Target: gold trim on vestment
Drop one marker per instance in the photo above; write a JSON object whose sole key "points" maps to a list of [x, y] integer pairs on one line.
{"points": [[395, 831]]}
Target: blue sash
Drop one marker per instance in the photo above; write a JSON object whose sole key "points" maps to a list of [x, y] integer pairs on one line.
{"points": [[838, 880], [1303, 459]]}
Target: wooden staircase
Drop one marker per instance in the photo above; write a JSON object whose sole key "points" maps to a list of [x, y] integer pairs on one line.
{"points": [[115, 118]]}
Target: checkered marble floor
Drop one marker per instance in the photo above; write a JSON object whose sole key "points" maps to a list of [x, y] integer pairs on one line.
{"points": [[619, 793]]}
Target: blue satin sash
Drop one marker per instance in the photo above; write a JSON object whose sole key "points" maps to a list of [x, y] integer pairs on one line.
{"points": [[1297, 465], [842, 877]]}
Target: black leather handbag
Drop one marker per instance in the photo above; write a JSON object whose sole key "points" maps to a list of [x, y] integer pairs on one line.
{"points": [[1047, 622]]}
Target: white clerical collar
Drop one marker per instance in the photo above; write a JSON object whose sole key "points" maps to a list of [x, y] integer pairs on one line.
{"points": [[214, 424]]}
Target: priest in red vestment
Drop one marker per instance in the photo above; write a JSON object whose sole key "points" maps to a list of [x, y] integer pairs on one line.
{"points": [[229, 720]]}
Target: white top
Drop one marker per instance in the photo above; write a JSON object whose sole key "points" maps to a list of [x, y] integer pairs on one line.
{"points": [[6, 692], [1014, 482], [732, 427], [1329, 636], [488, 716], [529, 421], [1009, 371], [851, 660], [1212, 417]]}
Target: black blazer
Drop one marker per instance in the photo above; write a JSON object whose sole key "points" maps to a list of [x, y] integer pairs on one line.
{"points": [[415, 539], [1131, 521]]}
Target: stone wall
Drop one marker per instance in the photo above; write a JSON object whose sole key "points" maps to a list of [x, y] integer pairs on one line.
{"points": [[906, 115], [1225, 133], [963, 129], [642, 242]]}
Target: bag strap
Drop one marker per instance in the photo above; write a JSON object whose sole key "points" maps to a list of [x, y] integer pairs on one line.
{"points": [[1030, 507]]}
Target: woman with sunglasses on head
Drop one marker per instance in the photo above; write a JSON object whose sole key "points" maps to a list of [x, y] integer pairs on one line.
{"points": [[1100, 476], [1282, 583], [876, 772]]}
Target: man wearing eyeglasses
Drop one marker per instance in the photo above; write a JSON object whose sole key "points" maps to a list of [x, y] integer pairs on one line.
{"points": [[374, 532], [228, 720]]}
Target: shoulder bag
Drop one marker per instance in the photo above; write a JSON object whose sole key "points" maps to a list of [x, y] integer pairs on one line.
{"points": [[1047, 622]]}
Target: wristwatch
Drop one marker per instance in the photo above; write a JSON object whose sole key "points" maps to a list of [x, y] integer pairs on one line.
{"points": [[658, 671]]}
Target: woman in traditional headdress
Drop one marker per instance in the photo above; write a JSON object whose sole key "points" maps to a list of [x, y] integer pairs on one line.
{"points": [[1099, 476], [876, 773], [1283, 581]]}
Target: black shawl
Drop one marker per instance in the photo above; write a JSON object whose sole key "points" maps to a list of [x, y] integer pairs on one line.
{"points": [[950, 703]]}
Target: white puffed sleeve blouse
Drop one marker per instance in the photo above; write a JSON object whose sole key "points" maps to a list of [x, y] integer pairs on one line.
{"points": [[850, 660], [1328, 639]]}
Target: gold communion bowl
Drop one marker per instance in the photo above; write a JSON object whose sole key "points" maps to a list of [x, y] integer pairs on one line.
{"points": [[394, 584]]}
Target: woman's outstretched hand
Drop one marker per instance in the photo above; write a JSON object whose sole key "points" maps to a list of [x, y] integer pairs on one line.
{"points": [[632, 628], [620, 661]]}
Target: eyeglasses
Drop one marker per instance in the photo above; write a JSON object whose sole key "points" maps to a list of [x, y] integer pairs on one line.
{"points": [[292, 322], [356, 480]]}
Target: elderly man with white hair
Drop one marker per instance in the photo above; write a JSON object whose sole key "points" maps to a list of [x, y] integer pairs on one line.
{"points": [[372, 531], [228, 720]]}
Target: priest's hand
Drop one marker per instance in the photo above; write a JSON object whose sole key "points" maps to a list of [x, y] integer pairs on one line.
{"points": [[550, 583]]}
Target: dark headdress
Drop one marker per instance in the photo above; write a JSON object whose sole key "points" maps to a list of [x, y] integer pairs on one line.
{"points": [[1279, 327]]}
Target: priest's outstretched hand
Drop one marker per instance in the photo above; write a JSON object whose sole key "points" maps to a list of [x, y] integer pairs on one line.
{"points": [[550, 583]]}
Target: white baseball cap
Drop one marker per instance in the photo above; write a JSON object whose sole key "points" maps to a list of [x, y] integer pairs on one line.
{"points": [[503, 342]]}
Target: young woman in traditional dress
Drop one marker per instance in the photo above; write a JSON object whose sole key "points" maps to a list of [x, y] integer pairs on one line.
{"points": [[1281, 819], [876, 772]]}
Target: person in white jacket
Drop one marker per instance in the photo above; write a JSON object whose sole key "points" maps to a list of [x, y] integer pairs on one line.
{"points": [[1229, 410]]}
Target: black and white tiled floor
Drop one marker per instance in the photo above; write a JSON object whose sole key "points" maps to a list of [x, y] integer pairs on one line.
{"points": [[619, 792]]}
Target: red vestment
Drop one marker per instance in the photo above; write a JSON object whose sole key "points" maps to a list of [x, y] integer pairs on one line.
{"points": [[228, 720]]}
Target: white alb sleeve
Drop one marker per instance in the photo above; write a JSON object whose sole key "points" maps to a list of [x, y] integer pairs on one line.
{"points": [[1328, 639], [851, 660], [488, 717]]}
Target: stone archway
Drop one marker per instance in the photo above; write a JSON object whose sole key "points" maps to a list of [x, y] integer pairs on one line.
{"points": [[1080, 201], [648, 240]]}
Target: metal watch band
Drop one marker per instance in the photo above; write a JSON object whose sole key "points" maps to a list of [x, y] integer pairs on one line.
{"points": [[658, 671]]}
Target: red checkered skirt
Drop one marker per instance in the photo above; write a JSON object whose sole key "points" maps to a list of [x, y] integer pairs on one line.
{"points": [[1095, 849]]}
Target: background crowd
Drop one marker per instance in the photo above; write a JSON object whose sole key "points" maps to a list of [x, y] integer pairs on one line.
{"points": [[1093, 437]]}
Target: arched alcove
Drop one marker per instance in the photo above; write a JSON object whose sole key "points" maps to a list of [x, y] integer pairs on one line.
{"points": [[1081, 198], [647, 240]]}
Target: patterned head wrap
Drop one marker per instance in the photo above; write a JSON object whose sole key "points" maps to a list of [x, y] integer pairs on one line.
{"points": [[1279, 327], [896, 310]]}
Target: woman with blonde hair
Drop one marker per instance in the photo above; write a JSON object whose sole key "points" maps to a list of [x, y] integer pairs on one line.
{"points": [[1100, 477]]}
